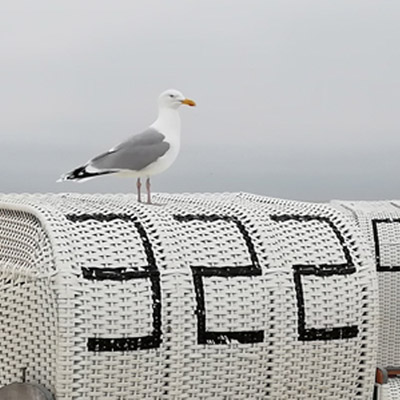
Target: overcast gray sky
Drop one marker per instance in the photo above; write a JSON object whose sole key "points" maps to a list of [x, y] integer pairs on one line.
{"points": [[296, 98]]}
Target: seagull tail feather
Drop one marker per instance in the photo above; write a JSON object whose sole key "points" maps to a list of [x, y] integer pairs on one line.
{"points": [[81, 174]]}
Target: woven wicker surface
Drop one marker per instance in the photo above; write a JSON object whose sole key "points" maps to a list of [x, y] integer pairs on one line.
{"points": [[229, 296], [27, 300], [392, 389], [380, 223]]}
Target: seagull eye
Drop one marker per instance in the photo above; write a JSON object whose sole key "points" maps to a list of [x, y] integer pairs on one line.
{"points": [[171, 95]]}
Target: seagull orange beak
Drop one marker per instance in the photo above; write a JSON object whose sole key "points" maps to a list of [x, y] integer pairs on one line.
{"points": [[189, 102]]}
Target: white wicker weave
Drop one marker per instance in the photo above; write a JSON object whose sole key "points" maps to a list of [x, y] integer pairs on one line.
{"points": [[392, 391], [229, 296], [380, 223]]}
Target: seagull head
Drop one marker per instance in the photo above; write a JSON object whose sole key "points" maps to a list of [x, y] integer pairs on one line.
{"points": [[172, 98]]}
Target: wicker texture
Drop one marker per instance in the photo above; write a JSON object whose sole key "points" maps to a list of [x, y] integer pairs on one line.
{"points": [[28, 303], [380, 223], [229, 296], [392, 391]]}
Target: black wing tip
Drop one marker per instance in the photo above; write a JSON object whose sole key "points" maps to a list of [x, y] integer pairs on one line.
{"points": [[81, 174]]}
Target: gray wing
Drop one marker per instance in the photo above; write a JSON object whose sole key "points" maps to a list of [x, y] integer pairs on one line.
{"points": [[136, 153]]}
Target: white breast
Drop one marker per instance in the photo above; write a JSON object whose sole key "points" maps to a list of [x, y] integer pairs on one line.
{"points": [[169, 124]]}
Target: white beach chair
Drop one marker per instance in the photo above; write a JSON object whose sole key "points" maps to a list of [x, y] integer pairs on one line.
{"points": [[223, 297]]}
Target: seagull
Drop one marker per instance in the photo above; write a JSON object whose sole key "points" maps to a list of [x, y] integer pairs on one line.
{"points": [[142, 155]]}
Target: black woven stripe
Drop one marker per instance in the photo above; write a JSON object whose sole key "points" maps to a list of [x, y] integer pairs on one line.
{"points": [[321, 270], [205, 336], [378, 261], [150, 271]]}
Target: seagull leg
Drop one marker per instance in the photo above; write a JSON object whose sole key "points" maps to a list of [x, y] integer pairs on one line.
{"points": [[138, 186], [148, 191]]}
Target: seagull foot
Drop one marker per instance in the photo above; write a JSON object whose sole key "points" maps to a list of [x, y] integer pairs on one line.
{"points": [[155, 204]]}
